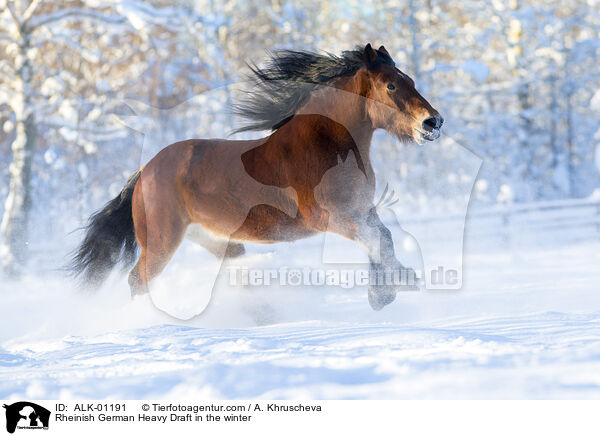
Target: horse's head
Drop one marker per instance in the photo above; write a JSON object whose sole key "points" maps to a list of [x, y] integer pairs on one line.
{"points": [[393, 103]]}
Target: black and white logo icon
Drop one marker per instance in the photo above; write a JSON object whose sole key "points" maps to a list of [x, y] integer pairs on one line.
{"points": [[26, 415]]}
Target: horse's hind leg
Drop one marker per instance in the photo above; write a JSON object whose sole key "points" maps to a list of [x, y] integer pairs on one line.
{"points": [[158, 232], [153, 259]]}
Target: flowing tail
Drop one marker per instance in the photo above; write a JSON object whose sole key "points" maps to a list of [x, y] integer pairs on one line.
{"points": [[109, 239]]}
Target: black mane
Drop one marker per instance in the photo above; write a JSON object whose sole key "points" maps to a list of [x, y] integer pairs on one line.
{"points": [[285, 83]]}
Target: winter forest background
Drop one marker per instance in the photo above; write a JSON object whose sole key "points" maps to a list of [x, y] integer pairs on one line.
{"points": [[517, 81]]}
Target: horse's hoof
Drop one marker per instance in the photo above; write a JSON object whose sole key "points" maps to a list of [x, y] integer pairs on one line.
{"points": [[380, 297]]}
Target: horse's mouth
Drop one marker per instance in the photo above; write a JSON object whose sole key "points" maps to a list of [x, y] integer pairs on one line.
{"points": [[427, 135]]}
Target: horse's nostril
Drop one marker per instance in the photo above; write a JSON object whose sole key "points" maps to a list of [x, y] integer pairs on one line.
{"points": [[432, 123]]}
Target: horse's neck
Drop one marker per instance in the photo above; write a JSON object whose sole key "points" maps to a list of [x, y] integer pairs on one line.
{"points": [[346, 108]]}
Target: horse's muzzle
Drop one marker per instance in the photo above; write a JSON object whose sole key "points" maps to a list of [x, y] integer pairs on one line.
{"points": [[430, 128]]}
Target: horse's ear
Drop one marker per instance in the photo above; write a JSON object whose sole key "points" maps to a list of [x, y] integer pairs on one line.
{"points": [[369, 55], [383, 50]]}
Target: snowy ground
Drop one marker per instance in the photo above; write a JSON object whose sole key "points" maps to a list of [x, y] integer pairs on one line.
{"points": [[525, 325]]}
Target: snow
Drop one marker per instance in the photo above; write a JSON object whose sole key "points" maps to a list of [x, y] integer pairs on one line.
{"points": [[525, 325]]}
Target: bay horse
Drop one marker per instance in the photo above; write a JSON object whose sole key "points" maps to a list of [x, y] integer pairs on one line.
{"points": [[320, 108]]}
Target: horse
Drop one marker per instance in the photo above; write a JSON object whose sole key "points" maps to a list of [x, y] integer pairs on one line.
{"points": [[319, 109]]}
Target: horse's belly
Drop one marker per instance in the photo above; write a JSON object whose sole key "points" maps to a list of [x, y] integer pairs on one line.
{"points": [[264, 224]]}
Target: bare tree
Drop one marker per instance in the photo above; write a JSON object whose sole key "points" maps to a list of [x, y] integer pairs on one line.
{"points": [[27, 27]]}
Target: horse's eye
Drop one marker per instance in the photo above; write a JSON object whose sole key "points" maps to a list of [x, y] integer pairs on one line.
{"points": [[391, 87]]}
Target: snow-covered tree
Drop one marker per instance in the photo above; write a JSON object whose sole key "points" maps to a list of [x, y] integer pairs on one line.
{"points": [[64, 67]]}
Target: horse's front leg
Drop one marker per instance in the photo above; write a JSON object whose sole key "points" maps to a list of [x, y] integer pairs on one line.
{"points": [[387, 274], [364, 226]]}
